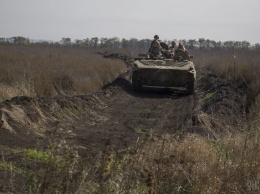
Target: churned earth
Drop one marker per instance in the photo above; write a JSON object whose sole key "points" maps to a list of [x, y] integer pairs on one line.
{"points": [[116, 118]]}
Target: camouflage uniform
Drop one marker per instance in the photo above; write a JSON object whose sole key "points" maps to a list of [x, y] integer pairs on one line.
{"points": [[171, 51], [155, 48], [181, 53]]}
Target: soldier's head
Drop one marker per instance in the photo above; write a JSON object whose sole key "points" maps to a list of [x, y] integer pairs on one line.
{"points": [[156, 37], [181, 46], [173, 43]]}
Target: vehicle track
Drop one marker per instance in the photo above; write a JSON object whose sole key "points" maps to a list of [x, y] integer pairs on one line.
{"points": [[116, 117], [132, 116]]}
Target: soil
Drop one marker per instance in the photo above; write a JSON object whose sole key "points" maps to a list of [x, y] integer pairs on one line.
{"points": [[115, 118]]}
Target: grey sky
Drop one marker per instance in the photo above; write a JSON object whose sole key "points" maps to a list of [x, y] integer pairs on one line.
{"points": [[171, 19]]}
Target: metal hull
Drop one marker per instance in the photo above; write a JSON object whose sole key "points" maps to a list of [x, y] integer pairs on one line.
{"points": [[163, 73]]}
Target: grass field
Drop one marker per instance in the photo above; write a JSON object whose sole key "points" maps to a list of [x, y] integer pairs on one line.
{"points": [[50, 71], [243, 70], [190, 164]]}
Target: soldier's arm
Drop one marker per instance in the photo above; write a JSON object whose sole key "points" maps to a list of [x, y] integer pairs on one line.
{"points": [[187, 55]]}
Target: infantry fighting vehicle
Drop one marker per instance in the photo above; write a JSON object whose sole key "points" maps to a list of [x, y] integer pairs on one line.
{"points": [[163, 73]]}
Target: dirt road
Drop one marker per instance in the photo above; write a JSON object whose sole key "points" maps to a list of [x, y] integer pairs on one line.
{"points": [[128, 116], [116, 117]]}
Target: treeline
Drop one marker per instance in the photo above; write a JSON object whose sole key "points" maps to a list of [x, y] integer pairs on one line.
{"points": [[133, 43]]}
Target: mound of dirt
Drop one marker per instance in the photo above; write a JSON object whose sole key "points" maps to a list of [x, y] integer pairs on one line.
{"points": [[119, 116], [220, 106], [116, 118]]}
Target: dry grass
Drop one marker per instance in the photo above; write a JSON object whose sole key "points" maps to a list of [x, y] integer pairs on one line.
{"points": [[196, 164], [54, 169], [192, 164], [49, 71], [244, 70]]}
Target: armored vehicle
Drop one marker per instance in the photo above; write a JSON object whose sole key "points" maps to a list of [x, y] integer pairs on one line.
{"points": [[163, 73]]}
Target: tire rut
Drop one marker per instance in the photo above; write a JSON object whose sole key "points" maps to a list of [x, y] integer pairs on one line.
{"points": [[131, 116]]}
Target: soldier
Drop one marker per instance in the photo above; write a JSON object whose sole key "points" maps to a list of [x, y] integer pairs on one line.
{"points": [[181, 53], [171, 51], [155, 49], [173, 47]]}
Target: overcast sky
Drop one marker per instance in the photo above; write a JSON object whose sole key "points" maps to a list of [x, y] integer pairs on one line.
{"points": [[219, 20]]}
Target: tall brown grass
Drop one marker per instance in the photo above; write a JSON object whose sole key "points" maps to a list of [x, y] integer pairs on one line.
{"points": [[49, 71], [193, 163], [190, 164], [168, 164], [243, 70]]}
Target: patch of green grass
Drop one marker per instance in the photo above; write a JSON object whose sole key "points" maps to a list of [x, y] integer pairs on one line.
{"points": [[208, 96], [43, 156], [139, 131], [5, 165], [9, 166]]}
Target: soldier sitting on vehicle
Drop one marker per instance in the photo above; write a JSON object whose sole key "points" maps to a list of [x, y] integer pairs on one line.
{"points": [[181, 53], [169, 53], [155, 49], [173, 47]]}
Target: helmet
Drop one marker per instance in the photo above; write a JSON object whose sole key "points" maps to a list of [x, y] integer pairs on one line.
{"points": [[156, 37], [181, 45], [173, 43]]}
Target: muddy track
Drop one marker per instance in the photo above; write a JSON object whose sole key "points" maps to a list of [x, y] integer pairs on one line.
{"points": [[116, 117], [118, 120], [129, 116]]}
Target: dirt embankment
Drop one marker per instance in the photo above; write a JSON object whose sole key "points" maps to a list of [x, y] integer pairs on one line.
{"points": [[115, 118], [116, 115]]}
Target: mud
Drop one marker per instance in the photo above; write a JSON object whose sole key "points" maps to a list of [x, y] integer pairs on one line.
{"points": [[115, 118]]}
